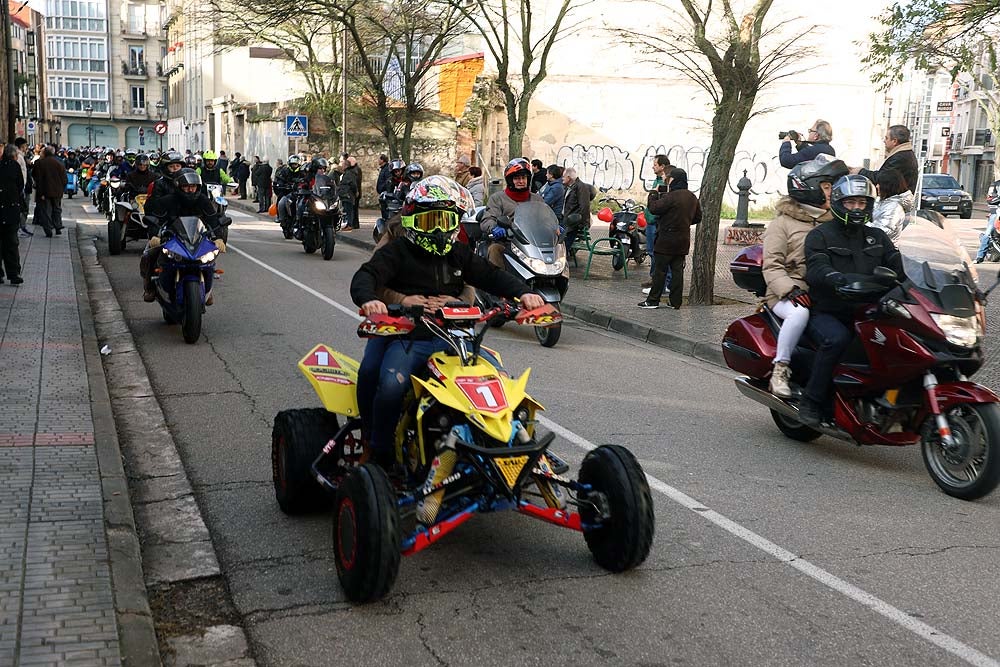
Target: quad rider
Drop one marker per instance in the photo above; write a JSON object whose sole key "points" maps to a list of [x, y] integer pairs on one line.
{"points": [[140, 180], [429, 270]]}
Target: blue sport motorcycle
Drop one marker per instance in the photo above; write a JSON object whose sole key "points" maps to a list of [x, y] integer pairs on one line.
{"points": [[184, 274]]}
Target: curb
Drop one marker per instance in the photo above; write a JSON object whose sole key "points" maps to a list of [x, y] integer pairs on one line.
{"points": [[175, 544], [691, 347], [136, 633]]}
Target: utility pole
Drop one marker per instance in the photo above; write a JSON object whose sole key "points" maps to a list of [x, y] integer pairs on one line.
{"points": [[343, 90]]}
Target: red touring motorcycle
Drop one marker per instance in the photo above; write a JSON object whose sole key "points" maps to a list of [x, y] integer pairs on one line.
{"points": [[466, 444], [904, 380]]}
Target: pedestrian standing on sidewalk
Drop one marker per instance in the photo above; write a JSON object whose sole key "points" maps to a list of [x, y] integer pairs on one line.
{"points": [[263, 186], [661, 164], [347, 190], [676, 212], [22, 147], [11, 199], [356, 219], [50, 184]]}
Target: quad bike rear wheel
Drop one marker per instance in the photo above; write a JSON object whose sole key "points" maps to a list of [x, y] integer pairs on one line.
{"points": [[625, 535], [366, 534], [297, 438], [114, 237]]}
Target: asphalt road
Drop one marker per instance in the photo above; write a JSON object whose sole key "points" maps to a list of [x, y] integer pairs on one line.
{"points": [[767, 551]]}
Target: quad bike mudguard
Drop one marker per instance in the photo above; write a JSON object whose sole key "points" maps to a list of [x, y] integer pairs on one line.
{"points": [[334, 378]]}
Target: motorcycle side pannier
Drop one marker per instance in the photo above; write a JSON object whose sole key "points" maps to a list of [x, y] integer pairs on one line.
{"points": [[749, 346], [747, 270]]}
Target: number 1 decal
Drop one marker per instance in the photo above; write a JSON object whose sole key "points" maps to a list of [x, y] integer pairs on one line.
{"points": [[486, 392], [322, 358]]}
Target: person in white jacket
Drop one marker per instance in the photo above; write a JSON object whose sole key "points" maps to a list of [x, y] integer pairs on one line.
{"points": [[895, 205]]}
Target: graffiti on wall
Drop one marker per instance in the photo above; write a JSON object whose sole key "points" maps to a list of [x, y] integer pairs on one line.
{"points": [[612, 167]]}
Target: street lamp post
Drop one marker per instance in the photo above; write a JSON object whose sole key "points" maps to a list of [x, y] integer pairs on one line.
{"points": [[90, 125], [160, 107]]}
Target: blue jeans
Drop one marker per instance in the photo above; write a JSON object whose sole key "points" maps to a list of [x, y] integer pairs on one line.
{"points": [[831, 335], [650, 240], [985, 242]]}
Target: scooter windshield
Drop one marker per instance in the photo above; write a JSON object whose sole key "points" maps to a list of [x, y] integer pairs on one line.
{"points": [[933, 258], [538, 228]]}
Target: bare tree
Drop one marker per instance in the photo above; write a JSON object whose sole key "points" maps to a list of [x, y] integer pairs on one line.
{"points": [[520, 44], [731, 59]]}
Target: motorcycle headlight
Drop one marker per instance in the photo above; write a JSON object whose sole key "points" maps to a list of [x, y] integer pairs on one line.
{"points": [[173, 255], [209, 256], [961, 331], [319, 205], [539, 266]]}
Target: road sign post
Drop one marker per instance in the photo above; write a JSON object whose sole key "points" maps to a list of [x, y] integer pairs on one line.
{"points": [[296, 127]]}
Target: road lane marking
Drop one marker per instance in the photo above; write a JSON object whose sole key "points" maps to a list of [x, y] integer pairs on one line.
{"points": [[828, 579]]}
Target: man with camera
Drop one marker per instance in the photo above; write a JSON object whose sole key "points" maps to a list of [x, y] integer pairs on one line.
{"points": [[817, 142]]}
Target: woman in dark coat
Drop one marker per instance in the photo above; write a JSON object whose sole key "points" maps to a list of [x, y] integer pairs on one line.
{"points": [[11, 194]]}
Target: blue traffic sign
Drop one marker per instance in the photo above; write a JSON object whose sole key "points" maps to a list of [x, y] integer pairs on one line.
{"points": [[297, 126]]}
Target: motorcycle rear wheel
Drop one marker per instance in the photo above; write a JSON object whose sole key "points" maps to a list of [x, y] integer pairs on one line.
{"points": [[793, 429], [191, 316], [297, 438], [970, 469]]}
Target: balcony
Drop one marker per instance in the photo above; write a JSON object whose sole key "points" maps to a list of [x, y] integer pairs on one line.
{"points": [[132, 111], [981, 137], [134, 70], [956, 143]]}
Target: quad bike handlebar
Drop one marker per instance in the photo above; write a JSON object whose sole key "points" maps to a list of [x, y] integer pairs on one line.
{"points": [[402, 320]]}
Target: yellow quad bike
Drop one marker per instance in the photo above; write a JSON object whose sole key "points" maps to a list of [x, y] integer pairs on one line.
{"points": [[466, 444]]}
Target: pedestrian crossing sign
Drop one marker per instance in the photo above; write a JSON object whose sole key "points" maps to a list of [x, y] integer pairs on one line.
{"points": [[297, 126]]}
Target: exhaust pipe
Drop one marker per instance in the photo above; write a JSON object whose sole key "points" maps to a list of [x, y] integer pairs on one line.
{"points": [[783, 407]]}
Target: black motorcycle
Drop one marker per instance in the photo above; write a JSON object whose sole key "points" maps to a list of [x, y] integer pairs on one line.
{"points": [[625, 228], [318, 217]]}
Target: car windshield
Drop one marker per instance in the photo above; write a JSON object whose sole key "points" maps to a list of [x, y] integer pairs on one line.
{"points": [[933, 258], [940, 182]]}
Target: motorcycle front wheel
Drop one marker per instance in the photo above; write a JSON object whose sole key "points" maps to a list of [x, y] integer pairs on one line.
{"points": [[191, 318], [329, 242], [969, 468], [549, 336]]}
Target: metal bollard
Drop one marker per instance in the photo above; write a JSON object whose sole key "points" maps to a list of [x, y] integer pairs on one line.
{"points": [[743, 204]]}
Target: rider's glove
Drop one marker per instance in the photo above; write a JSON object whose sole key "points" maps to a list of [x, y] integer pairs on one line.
{"points": [[220, 244], [562, 230], [154, 242], [498, 233], [799, 297]]}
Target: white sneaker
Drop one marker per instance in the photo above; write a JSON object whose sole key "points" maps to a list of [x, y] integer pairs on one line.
{"points": [[779, 380], [645, 290]]}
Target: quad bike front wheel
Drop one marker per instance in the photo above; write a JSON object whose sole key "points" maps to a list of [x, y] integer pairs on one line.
{"points": [[969, 468], [620, 505], [366, 534], [297, 438]]}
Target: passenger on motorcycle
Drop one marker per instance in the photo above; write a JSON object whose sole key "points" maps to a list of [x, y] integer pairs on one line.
{"points": [[784, 267], [500, 207], [287, 180], [210, 172], [172, 163], [838, 253], [140, 180], [396, 178], [429, 269], [188, 199], [318, 166]]}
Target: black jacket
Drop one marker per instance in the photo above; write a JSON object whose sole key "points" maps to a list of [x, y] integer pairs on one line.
{"points": [[11, 193], [286, 180], [162, 188], [905, 162], [838, 254], [139, 181], [805, 152], [350, 183], [405, 268], [384, 181], [175, 206]]}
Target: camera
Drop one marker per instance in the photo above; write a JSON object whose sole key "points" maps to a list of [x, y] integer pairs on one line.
{"points": [[791, 134]]}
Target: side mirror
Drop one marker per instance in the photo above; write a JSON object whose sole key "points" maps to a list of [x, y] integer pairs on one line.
{"points": [[885, 275]]}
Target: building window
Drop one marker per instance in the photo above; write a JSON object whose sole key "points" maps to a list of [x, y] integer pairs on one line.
{"points": [[136, 57], [137, 19], [71, 93], [138, 98], [85, 15], [76, 54]]}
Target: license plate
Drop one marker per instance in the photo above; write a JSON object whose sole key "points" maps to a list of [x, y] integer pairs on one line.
{"points": [[949, 208]]}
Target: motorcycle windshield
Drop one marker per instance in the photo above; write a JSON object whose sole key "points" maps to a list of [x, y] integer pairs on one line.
{"points": [[189, 230], [933, 258], [323, 187], [536, 229]]}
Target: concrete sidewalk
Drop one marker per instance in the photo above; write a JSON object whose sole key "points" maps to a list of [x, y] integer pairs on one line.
{"points": [[69, 593], [608, 299]]}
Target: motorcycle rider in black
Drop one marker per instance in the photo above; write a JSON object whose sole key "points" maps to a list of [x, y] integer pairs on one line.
{"points": [[287, 181], [838, 253], [172, 163], [188, 199], [139, 180]]}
